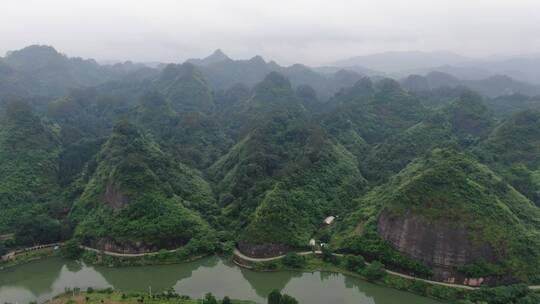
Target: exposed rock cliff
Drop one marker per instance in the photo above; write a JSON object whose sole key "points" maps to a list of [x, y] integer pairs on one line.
{"points": [[457, 217], [440, 244]]}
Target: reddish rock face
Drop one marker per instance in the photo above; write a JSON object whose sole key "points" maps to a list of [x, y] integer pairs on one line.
{"points": [[114, 196], [124, 247], [262, 250], [441, 245], [119, 246]]}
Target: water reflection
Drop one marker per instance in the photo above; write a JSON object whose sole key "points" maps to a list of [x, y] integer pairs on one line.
{"points": [[44, 279], [260, 283]]}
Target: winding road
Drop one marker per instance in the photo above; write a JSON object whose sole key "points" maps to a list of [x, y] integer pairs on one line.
{"points": [[250, 259], [126, 255], [244, 257]]}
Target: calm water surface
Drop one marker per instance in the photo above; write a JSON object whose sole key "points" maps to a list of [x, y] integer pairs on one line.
{"points": [[44, 279]]}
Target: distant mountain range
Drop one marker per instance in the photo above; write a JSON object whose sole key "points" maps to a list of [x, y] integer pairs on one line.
{"points": [[525, 68], [42, 71]]}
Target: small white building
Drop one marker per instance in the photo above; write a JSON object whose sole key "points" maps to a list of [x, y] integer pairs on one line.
{"points": [[329, 220], [312, 242]]}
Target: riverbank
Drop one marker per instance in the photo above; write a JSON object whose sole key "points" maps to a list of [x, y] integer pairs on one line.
{"points": [[336, 263], [21, 257], [311, 263], [108, 296], [43, 280], [163, 257]]}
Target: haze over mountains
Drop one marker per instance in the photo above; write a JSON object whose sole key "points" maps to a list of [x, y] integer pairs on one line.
{"points": [[491, 77], [215, 152]]}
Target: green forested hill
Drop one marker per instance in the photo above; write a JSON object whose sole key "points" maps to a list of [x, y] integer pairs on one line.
{"points": [[367, 113], [513, 149], [186, 88], [447, 209], [29, 153], [219, 152], [285, 163], [137, 193], [462, 124]]}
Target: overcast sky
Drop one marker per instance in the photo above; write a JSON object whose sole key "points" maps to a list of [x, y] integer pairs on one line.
{"points": [[288, 31]]}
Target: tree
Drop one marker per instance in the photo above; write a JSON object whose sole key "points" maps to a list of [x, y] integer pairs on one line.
{"points": [[294, 260], [374, 271], [328, 255], [209, 299], [287, 299], [355, 263], [3, 249], [226, 300], [34, 230], [325, 237], [72, 250], [274, 297]]}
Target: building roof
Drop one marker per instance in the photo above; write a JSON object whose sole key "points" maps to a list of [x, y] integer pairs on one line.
{"points": [[329, 220]]}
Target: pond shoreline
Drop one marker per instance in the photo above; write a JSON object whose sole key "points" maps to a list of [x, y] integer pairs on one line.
{"points": [[390, 280], [211, 274]]}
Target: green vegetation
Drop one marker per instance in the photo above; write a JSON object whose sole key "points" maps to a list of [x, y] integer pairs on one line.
{"points": [[520, 163], [374, 271], [275, 297], [177, 157], [460, 124], [294, 260], [29, 151], [91, 296], [29, 256], [455, 191], [505, 294], [137, 193], [72, 250], [286, 163]]}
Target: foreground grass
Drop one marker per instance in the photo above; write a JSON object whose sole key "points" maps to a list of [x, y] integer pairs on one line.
{"points": [[115, 297]]}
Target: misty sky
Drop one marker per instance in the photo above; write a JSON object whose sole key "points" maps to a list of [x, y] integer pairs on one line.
{"points": [[306, 31]]}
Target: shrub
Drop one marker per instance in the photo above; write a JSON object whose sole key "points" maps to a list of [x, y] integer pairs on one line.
{"points": [[294, 260], [328, 255], [3, 249], [71, 250], [226, 300], [274, 297], [355, 263], [209, 299], [287, 299], [418, 287], [517, 294], [480, 268], [374, 271]]}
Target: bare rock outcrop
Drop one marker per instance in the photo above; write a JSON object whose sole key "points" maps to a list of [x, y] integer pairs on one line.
{"points": [[263, 250], [114, 196], [125, 246], [439, 244]]}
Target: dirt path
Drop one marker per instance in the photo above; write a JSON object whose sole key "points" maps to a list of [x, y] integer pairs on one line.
{"points": [[127, 255], [250, 259]]}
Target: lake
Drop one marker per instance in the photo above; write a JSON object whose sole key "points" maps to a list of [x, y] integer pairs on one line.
{"points": [[41, 280]]}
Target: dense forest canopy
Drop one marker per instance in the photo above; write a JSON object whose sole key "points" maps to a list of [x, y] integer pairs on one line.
{"points": [[218, 151]]}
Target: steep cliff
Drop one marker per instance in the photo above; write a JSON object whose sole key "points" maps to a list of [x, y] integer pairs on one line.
{"points": [[447, 211]]}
